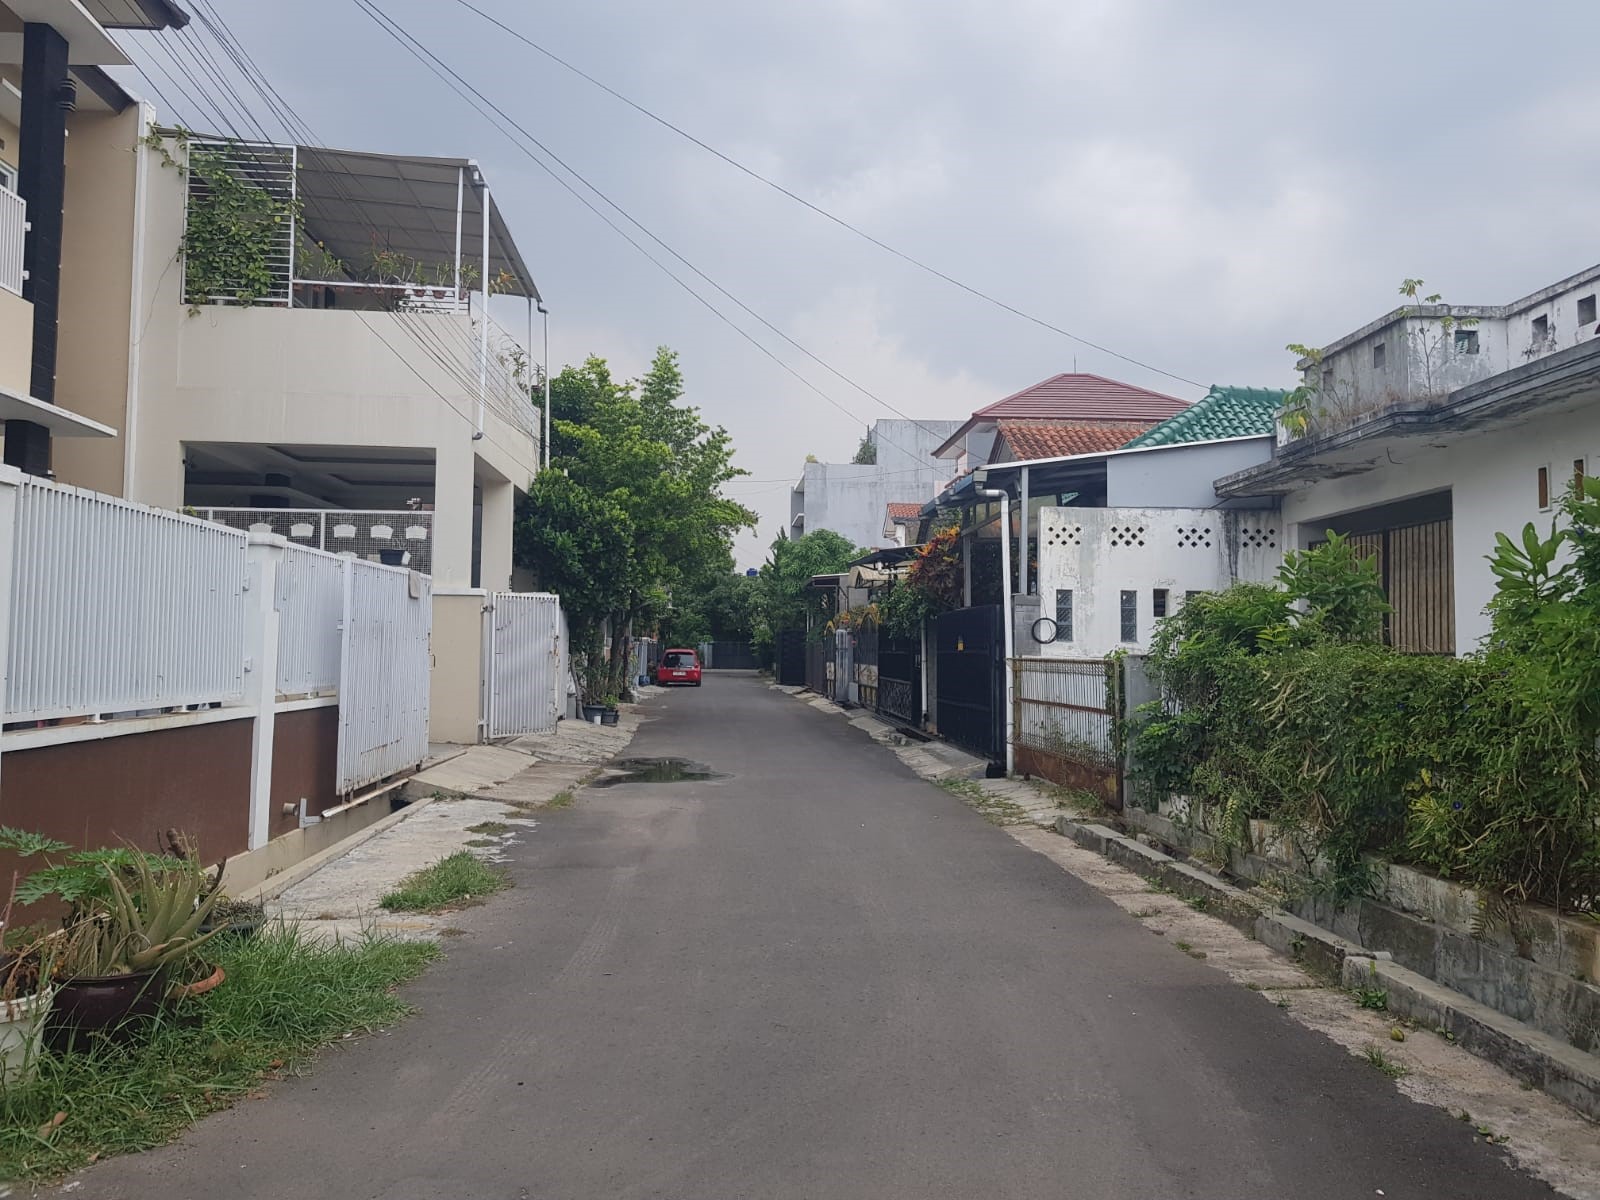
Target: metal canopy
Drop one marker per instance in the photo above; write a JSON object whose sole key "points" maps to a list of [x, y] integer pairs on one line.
{"points": [[137, 14], [356, 202]]}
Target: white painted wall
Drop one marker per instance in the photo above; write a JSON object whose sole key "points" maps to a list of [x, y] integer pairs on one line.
{"points": [[1493, 478], [1097, 553], [1179, 476]]}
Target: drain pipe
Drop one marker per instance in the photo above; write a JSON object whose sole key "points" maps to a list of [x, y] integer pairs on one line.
{"points": [[1004, 497]]}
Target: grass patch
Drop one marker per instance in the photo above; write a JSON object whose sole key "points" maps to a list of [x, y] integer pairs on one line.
{"points": [[1385, 1064], [492, 828], [452, 880], [561, 799], [284, 997]]}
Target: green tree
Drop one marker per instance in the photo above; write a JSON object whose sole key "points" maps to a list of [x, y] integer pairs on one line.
{"points": [[632, 455], [783, 600], [866, 452]]}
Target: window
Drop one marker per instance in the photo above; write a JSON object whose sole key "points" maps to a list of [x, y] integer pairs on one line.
{"points": [[1158, 602], [8, 180], [1130, 616], [1379, 352], [1063, 615], [1586, 312], [1544, 488], [1466, 341], [1541, 330]]}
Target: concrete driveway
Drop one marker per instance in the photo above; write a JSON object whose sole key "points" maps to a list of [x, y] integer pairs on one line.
{"points": [[817, 976]]}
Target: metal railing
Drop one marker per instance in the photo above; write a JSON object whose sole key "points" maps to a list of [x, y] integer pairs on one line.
{"points": [[1063, 722], [310, 604], [116, 607], [394, 537], [13, 238], [383, 672]]}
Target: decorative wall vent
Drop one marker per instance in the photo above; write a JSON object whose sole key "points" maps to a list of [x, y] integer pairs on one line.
{"points": [[1259, 537], [1194, 535], [1063, 535], [1127, 535]]}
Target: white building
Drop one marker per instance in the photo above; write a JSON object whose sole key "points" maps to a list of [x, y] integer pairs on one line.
{"points": [[851, 498], [1424, 441]]}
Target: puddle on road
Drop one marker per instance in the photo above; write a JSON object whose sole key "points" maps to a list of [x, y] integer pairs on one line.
{"points": [[656, 770]]}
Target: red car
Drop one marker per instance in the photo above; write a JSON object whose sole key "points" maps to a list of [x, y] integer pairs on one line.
{"points": [[678, 666]]}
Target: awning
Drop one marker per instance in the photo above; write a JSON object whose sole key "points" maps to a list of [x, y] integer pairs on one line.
{"points": [[137, 14], [356, 202], [61, 422]]}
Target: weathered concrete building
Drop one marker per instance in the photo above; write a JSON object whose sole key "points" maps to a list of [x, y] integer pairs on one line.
{"points": [[851, 498]]}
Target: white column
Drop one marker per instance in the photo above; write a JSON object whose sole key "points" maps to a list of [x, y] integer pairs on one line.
{"points": [[1022, 541], [266, 552], [10, 479], [452, 511], [499, 512]]}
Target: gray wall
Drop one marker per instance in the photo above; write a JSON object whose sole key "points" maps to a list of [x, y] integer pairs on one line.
{"points": [[851, 500], [1180, 476]]}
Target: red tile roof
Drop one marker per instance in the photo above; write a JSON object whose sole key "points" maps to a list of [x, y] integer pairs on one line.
{"points": [[1075, 397], [1053, 439], [903, 512]]}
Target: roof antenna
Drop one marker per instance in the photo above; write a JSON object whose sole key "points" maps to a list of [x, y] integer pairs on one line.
{"points": [[1074, 364]]}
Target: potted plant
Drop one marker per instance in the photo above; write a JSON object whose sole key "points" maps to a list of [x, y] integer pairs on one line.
{"points": [[608, 711], [237, 918], [114, 952], [27, 989]]}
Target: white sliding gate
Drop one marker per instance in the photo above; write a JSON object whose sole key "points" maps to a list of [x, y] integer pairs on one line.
{"points": [[383, 672], [523, 687]]}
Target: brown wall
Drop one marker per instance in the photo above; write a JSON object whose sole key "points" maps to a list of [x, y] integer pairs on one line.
{"points": [[133, 788], [305, 751]]}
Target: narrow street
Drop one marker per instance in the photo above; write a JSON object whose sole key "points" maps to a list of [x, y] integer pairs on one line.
{"points": [[816, 976]]}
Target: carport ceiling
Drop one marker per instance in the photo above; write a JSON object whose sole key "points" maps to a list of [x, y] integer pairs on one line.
{"points": [[326, 472]]}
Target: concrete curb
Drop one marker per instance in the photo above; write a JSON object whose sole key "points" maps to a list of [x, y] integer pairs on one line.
{"points": [[1536, 1058], [275, 885]]}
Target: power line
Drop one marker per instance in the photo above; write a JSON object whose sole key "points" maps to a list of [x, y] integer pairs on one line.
{"points": [[816, 208], [484, 106]]}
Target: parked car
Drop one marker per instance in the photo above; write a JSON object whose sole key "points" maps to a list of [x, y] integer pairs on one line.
{"points": [[678, 666]]}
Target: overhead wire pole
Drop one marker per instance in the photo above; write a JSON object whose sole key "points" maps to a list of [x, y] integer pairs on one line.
{"points": [[545, 312]]}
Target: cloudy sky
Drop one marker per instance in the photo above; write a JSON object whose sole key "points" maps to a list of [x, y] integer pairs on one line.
{"points": [[1191, 185]]}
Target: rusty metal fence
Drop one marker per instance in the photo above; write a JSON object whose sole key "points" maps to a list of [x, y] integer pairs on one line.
{"points": [[1064, 723]]}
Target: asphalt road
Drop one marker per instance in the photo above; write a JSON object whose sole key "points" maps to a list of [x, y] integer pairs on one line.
{"points": [[817, 977]]}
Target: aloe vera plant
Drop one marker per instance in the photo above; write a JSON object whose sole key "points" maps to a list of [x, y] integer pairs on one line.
{"points": [[161, 914]]}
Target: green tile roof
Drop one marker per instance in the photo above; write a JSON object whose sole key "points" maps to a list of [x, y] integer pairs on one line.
{"points": [[1223, 412]]}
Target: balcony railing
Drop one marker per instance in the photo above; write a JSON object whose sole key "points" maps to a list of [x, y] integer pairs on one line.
{"points": [[397, 537], [13, 234]]}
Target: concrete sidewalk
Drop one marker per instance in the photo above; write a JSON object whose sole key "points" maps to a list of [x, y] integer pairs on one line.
{"points": [[485, 799]]}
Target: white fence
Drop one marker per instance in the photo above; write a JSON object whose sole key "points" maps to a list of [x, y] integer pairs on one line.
{"points": [[311, 614], [523, 685], [383, 672], [13, 236], [115, 607], [1063, 708]]}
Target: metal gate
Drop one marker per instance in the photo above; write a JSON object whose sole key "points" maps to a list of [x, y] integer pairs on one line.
{"points": [[791, 657], [728, 656], [522, 651], [971, 649], [865, 665], [384, 662], [899, 680]]}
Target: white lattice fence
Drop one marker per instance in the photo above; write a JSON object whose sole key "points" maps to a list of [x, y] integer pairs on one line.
{"points": [[116, 607], [383, 676]]}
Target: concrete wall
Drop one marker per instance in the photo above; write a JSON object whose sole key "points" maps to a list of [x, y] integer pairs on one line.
{"points": [[16, 342], [1097, 553], [1422, 362], [97, 279], [1179, 476], [1493, 478]]}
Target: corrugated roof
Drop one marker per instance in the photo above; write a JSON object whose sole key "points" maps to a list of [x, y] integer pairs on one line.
{"points": [[1051, 439], [1223, 412], [1073, 397], [904, 512]]}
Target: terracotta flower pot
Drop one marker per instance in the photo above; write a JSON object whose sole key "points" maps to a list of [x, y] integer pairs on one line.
{"points": [[181, 991]]}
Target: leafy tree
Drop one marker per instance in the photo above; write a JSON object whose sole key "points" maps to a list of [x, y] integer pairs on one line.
{"points": [[633, 457], [866, 452], [782, 598]]}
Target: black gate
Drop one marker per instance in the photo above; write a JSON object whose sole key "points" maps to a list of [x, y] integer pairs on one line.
{"points": [[819, 657], [791, 655], [900, 681], [971, 650], [864, 663], [730, 656]]}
